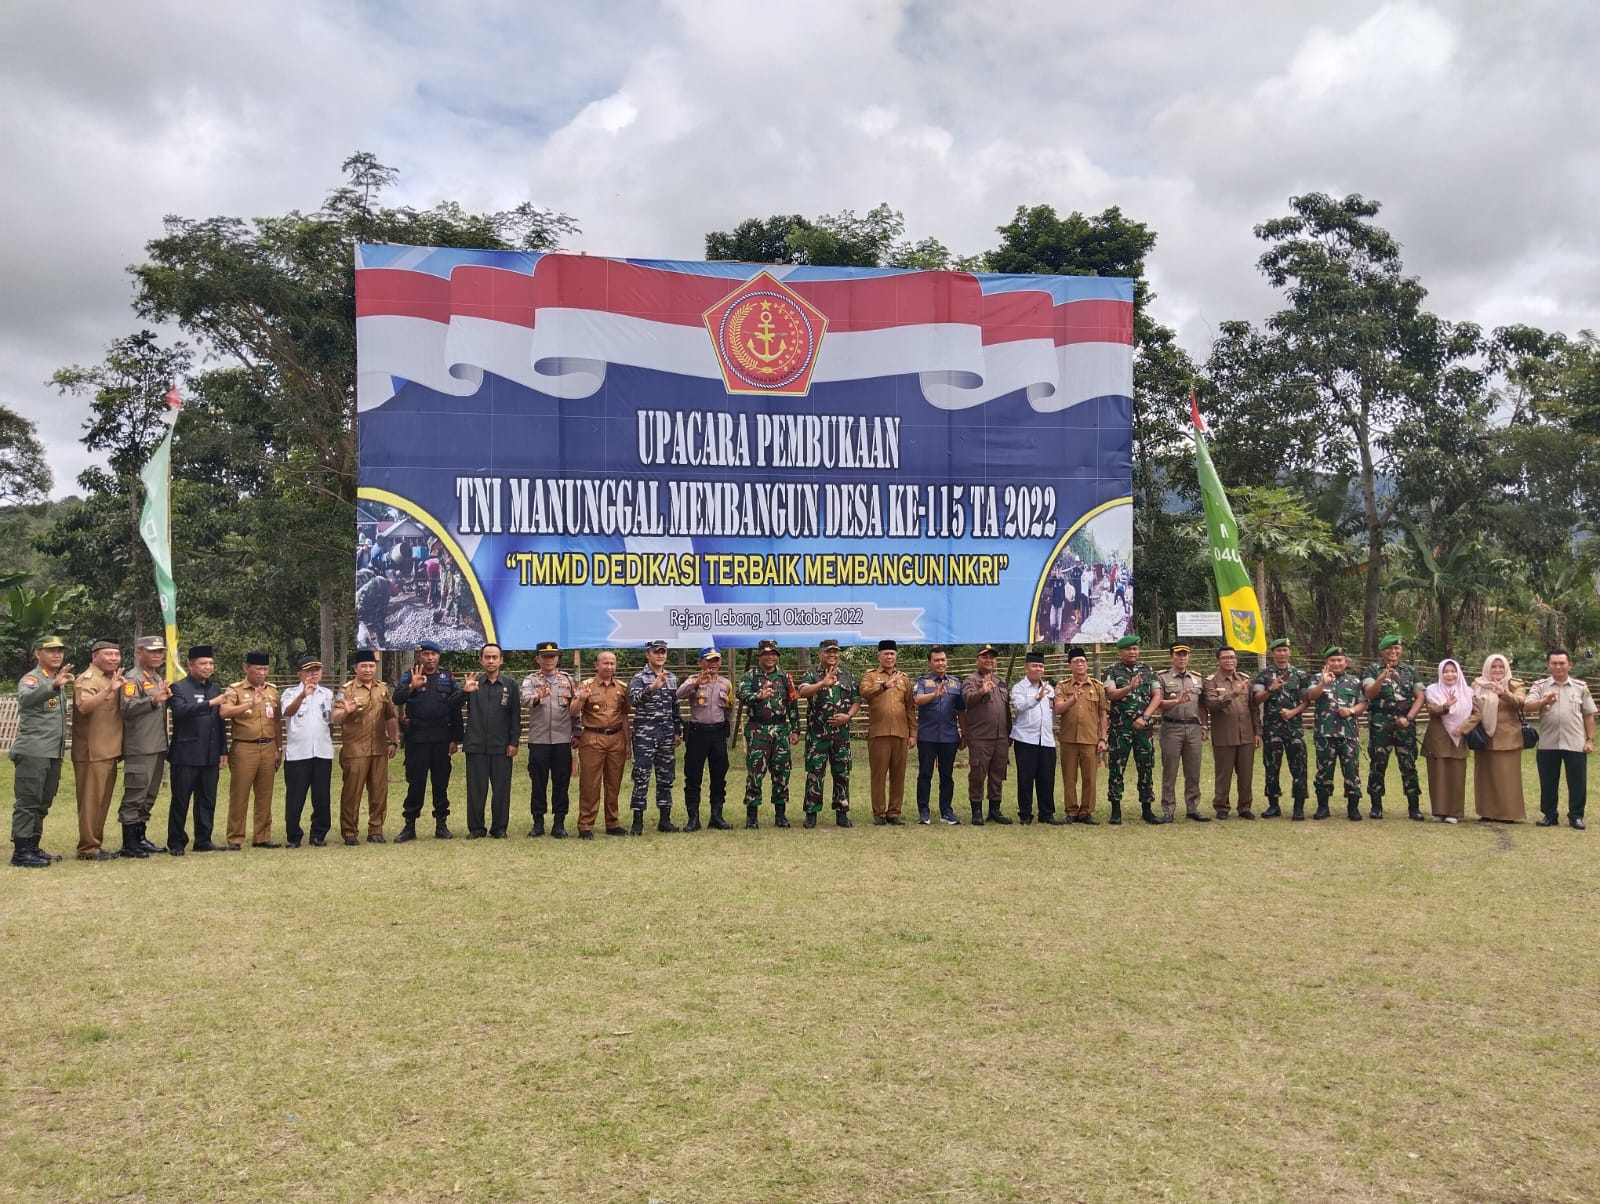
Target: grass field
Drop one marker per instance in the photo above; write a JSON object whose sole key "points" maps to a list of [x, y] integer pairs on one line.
{"points": [[1316, 1011]]}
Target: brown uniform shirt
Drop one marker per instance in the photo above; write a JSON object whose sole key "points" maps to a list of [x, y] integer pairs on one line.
{"points": [[264, 719], [890, 712], [1171, 683], [709, 701], [1234, 718], [607, 706], [987, 716], [1082, 722], [96, 734], [366, 731]]}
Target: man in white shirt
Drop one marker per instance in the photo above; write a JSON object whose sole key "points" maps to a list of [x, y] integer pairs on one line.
{"points": [[1033, 740], [1566, 738], [308, 753]]}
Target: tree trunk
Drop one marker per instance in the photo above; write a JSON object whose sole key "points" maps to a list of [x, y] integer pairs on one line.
{"points": [[325, 617]]}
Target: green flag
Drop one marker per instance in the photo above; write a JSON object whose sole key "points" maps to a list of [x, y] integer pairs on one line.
{"points": [[155, 525], [1241, 611]]}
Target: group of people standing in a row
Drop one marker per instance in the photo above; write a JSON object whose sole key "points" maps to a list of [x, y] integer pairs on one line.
{"points": [[595, 725]]}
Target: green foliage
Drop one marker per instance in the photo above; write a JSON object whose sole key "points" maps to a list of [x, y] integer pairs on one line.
{"points": [[29, 614], [24, 472]]}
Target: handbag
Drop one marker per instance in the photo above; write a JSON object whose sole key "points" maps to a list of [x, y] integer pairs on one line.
{"points": [[1530, 734], [1477, 739]]}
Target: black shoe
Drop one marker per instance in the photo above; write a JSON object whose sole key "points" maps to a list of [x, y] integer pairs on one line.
{"points": [[1353, 812], [1116, 815], [1321, 812], [351, 842], [692, 824], [1198, 818], [26, 857], [1299, 811], [923, 816], [558, 830], [148, 845], [494, 834], [879, 821], [1247, 815], [471, 835], [441, 831], [131, 846], [319, 842], [291, 844], [1576, 821], [230, 847], [538, 826], [265, 844], [1376, 810], [585, 835], [209, 847], [750, 820], [996, 818], [637, 827], [1149, 816], [665, 824], [949, 818], [1546, 821], [779, 819], [717, 823], [616, 831], [377, 837], [894, 821], [1273, 811], [1085, 819], [407, 834], [1416, 814], [1222, 815], [841, 819], [1055, 821], [175, 850], [1025, 820], [810, 820]]}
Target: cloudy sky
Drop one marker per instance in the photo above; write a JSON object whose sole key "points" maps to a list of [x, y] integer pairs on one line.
{"points": [[652, 121]]}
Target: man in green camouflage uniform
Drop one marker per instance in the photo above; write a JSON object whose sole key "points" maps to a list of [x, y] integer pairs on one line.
{"points": [[1129, 684], [773, 724], [1277, 689], [1394, 696], [832, 702], [1339, 700]]}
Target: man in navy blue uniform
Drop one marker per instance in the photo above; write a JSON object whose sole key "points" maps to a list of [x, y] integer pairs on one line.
{"points": [[431, 729], [198, 752], [939, 704]]}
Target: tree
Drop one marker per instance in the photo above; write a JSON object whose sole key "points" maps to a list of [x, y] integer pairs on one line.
{"points": [[835, 240], [1447, 580], [757, 240], [24, 473], [1038, 242]]}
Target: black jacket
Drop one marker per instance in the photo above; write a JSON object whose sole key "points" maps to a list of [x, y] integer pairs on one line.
{"points": [[199, 733]]}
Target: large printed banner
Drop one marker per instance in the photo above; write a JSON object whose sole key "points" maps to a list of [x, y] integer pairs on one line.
{"points": [[603, 452]]}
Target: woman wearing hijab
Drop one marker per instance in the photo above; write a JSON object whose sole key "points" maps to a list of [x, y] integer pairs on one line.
{"points": [[1497, 769], [1452, 713]]}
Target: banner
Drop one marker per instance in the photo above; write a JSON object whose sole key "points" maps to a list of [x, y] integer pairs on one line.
{"points": [[1244, 629], [155, 527], [603, 452]]}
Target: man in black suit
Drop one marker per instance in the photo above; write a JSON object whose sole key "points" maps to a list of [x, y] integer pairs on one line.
{"points": [[198, 752]]}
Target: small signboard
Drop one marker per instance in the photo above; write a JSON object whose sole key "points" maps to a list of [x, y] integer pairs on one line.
{"points": [[1202, 623]]}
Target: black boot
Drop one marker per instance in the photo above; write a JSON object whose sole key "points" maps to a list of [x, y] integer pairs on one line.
{"points": [[1352, 811], [810, 820], [665, 824], [26, 855], [977, 815], [408, 832], [718, 824], [779, 819], [130, 842], [1272, 811], [694, 818], [148, 845], [1377, 809], [841, 818], [538, 825], [441, 830], [1415, 811], [995, 817], [750, 820], [558, 825], [1116, 814], [1299, 809], [1322, 809], [1148, 814], [638, 823]]}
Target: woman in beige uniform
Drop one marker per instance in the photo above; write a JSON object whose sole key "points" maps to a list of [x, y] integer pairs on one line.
{"points": [[1497, 770], [1452, 712]]}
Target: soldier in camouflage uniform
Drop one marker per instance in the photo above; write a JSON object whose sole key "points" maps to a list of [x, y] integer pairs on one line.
{"points": [[1339, 700], [832, 702], [769, 696], [1394, 696], [1278, 690], [657, 732], [1129, 684]]}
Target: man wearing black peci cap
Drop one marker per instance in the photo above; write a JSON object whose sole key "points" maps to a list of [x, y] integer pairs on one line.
{"points": [[891, 733], [1033, 740], [369, 736], [255, 750], [431, 732], [199, 750]]}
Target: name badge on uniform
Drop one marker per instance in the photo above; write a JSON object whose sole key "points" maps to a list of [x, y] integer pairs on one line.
{"points": [[267, 710]]}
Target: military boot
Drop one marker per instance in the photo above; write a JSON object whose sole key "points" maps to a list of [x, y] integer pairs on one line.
{"points": [[780, 820], [1272, 811], [441, 831], [148, 845], [1352, 811], [1148, 814], [995, 817], [977, 815], [718, 824], [810, 820], [841, 818], [1377, 809], [665, 824], [1322, 809], [750, 820], [638, 823], [558, 825], [538, 825], [693, 824], [1414, 811], [26, 855], [1299, 809], [130, 843], [407, 833], [1116, 814]]}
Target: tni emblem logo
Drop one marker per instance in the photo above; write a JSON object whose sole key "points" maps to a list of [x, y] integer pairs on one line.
{"points": [[766, 338]]}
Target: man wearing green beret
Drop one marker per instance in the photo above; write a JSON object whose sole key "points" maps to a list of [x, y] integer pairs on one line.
{"points": [[1339, 701], [1129, 684], [1394, 696], [37, 751], [1278, 691]]}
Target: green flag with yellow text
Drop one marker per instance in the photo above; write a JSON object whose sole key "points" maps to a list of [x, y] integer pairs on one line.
{"points": [[1241, 610], [155, 526]]}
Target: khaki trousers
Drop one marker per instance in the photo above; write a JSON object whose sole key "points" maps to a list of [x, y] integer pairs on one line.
{"points": [[987, 761], [142, 774], [886, 766], [1180, 742], [96, 782], [371, 773], [1079, 762], [251, 765], [1232, 762], [600, 762]]}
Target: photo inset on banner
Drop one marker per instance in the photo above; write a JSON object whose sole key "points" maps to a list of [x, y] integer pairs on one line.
{"points": [[411, 585], [1086, 596]]}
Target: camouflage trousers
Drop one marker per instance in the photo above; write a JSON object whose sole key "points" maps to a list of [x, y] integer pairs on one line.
{"points": [[1275, 749], [1346, 750], [828, 748], [1382, 737], [1122, 742], [658, 753], [766, 750]]}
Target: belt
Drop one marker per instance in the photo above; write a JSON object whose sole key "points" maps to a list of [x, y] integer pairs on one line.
{"points": [[263, 740], [603, 731], [1184, 721], [707, 727]]}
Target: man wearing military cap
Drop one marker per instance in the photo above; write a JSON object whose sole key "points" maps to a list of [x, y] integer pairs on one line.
{"points": [[986, 725], [1394, 696], [705, 741], [38, 749], [772, 725], [255, 750], [308, 753], [199, 750], [143, 702], [1339, 701], [1184, 724], [657, 732], [96, 745], [1279, 691], [832, 701], [548, 692], [369, 736], [1130, 684], [431, 732], [891, 732]]}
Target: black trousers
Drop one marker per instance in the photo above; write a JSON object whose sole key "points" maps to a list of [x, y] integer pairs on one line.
{"points": [[1550, 762], [488, 773], [929, 754], [200, 784], [705, 743], [550, 768], [427, 760], [316, 775], [1036, 774]]}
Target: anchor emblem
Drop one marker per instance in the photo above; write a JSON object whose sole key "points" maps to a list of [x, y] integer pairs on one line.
{"points": [[766, 337]]}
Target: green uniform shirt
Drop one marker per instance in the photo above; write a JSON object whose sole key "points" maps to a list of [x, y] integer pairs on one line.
{"points": [[42, 717], [1344, 692], [1126, 710], [1397, 694], [837, 699], [782, 709], [1292, 683]]}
